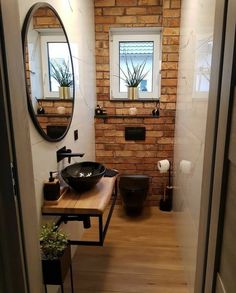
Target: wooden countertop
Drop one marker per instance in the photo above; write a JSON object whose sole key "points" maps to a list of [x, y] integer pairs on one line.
{"points": [[91, 202]]}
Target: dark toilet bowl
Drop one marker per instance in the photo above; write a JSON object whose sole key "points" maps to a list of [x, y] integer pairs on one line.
{"points": [[133, 192]]}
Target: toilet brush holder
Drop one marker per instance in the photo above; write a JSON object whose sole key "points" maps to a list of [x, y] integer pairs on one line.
{"points": [[166, 201]]}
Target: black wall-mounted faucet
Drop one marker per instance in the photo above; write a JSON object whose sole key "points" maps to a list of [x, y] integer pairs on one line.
{"points": [[67, 153]]}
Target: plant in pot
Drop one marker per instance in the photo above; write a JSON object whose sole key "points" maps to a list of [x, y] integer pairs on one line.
{"points": [[56, 254], [132, 76], [62, 74]]}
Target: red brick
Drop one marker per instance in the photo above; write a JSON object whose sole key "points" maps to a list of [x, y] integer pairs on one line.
{"points": [[124, 153], [169, 82], [126, 2], [102, 3], [149, 19], [154, 10], [136, 10], [101, 153], [126, 19], [101, 36], [104, 19], [148, 2], [113, 11], [175, 3], [98, 11], [171, 13], [170, 31], [171, 22]]}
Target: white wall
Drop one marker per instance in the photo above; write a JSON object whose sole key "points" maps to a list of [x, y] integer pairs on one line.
{"points": [[78, 19], [197, 20]]}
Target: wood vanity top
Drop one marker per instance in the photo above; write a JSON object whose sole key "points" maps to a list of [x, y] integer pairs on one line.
{"points": [[91, 202]]}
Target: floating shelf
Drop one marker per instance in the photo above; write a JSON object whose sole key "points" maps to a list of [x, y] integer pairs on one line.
{"points": [[125, 116], [54, 115], [55, 100]]}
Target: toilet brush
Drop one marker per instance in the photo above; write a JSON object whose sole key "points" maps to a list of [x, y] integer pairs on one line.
{"points": [[166, 201]]}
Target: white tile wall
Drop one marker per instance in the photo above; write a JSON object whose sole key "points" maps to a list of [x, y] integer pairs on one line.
{"points": [[78, 19], [197, 20]]}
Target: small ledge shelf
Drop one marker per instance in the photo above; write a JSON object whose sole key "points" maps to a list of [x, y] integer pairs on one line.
{"points": [[54, 115], [55, 100], [125, 116]]}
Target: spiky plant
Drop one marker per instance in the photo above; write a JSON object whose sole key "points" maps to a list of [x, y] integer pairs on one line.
{"points": [[61, 73], [134, 74], [52, 242]]}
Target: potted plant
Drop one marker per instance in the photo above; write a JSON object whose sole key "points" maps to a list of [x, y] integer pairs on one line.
{"points": [[56, 254], [133, 76], [62, 74]]}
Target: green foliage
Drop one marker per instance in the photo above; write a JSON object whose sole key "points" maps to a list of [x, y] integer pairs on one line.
{"points": [[61, 73], [134, 74], [52, 241]]}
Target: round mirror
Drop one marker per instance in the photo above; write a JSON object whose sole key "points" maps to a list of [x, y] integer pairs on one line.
{"points": [[48, 71]]}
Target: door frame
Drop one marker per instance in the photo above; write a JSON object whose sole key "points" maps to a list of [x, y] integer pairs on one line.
{"points": [[19, 134], [210, 144], [220, 146]]}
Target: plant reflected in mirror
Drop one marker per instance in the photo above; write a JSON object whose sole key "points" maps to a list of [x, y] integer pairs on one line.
{"points": [[48, 71]]}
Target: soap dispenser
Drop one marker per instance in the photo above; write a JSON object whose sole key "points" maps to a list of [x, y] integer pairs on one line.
{"points": [[51, 188]]}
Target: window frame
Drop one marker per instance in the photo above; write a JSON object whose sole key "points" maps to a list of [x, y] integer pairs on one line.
{"points": [[117, 35], [45, 62]]}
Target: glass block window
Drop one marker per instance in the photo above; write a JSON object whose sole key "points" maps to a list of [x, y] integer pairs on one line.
{"points": [[131, 49]]}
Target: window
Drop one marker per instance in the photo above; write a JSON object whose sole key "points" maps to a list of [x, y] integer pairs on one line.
{"points": [[203, 64], [131, 48], [53, 48]]}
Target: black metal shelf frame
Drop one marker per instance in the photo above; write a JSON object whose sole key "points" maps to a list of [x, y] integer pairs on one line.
{"points": [[85, 218]]}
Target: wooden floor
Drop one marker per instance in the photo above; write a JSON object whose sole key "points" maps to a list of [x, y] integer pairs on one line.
{"points": [[140, 255]]}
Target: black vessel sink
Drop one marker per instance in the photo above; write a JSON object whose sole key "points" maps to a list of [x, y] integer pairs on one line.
{"points": [[83, 176]]}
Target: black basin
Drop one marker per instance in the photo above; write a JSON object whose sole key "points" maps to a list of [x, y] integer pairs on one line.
{"points": [[83, 176]]}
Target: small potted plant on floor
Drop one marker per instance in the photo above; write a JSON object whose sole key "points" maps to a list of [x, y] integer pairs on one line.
{"points": [[62, 74], [132, 76], [56, 254]]}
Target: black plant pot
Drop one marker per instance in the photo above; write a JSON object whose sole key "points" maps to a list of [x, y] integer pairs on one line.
{"points": [[54, 271]]}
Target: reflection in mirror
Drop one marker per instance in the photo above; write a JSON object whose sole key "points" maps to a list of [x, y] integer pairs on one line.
{"points": [[49, 72]]}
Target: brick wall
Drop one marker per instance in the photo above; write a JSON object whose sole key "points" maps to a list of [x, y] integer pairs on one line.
{"points": [[45, 18], [111, 148], [51, 116]]}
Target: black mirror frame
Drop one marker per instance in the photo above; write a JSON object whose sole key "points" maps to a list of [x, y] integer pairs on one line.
{"points": [[24, 32]]}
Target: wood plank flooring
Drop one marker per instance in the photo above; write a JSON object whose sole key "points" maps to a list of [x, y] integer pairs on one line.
{"points": [[140, 255]]}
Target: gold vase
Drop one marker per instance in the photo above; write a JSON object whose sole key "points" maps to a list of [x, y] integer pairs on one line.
{"points": [[64, 92], [61, 92], [132, 93]]}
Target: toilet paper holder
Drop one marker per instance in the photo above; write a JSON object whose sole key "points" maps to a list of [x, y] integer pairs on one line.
{"points": [[166, 201]]}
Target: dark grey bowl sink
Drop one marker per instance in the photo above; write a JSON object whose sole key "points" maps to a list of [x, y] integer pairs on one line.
{"points": [[83, 176]]}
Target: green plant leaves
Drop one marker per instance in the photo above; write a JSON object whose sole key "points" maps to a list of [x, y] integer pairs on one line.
{"points": [[52, 241], [134, 74], [61, 73]]}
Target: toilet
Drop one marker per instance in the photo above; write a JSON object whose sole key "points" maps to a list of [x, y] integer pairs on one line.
{"points": [[133, 192]]}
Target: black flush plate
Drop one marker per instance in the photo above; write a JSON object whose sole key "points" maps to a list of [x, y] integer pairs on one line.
{"points": [[135, 133]]}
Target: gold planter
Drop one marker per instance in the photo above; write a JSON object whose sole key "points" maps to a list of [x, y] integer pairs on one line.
{"points": [[132, 93], [64, 92], [61, 92]]}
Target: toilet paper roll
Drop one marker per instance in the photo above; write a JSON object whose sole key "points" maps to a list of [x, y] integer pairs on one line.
{"points": [[163, 166], [185, 166]]}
